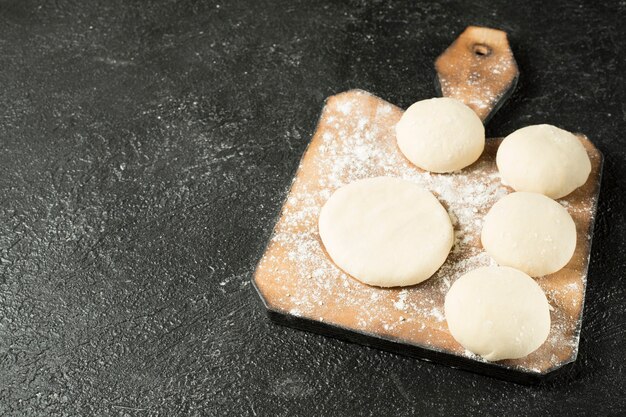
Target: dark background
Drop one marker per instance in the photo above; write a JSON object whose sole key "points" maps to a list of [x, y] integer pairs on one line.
{"points": [[145, 149]]}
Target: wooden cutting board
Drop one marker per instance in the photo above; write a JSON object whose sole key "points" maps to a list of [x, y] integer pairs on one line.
{"points": [[355, 138]]}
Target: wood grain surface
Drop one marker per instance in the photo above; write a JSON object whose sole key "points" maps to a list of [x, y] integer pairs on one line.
{"points": [[296, 277]]}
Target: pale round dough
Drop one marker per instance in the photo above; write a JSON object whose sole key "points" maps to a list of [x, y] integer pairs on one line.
{"points": [[530, 232], [543, 159], [386, 231], [440, 135], [498, 313]]}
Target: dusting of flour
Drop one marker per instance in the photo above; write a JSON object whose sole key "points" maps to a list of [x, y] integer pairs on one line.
{"points": [[352, 150], [357, 140]]}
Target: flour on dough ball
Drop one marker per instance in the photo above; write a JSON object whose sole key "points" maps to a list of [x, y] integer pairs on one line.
{"points": [[386, 231], [498, 313], [543, 159], [530, 232], [440, 135]]}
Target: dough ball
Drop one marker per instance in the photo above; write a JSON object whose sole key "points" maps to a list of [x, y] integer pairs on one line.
{"points": [[498, 313], [543, 159], [530, 232], [440, 135], [386, 231]]}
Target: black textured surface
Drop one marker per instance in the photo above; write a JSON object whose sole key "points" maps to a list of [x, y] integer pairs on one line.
{"points": [[145, 150]]}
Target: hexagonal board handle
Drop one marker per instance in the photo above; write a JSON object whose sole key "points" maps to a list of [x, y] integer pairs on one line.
{"points": [[478, 69]]}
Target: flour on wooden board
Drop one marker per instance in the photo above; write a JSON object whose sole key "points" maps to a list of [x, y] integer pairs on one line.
{"points": [[351, 149]]}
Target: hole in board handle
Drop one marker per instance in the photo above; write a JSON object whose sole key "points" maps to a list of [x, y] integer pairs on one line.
{"points": [[481, 49]]}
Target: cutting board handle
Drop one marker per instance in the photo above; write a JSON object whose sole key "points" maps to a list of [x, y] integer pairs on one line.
{"points": [[478, 69]]}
